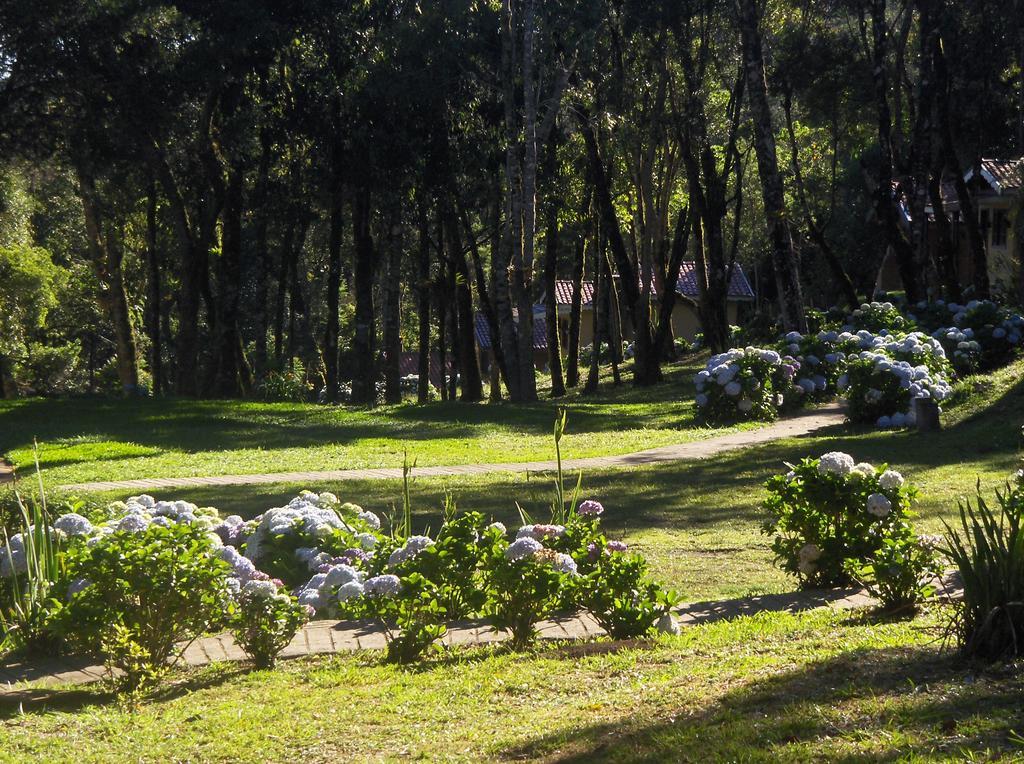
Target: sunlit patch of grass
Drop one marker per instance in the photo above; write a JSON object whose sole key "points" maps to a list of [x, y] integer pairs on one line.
{"points": [[774, 687]]}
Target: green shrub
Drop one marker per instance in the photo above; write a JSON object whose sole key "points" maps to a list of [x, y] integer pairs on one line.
{"points": [[988, 551], [139, 596], [827, 511], [288, 385], [901, 573], [411, 612], [621, 595], [266, 620], [526, 583]]}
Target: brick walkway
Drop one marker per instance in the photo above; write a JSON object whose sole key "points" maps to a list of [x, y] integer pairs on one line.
{"points": [[803, 423], [325, 637]]}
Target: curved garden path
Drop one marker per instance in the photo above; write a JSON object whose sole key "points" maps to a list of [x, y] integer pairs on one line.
{"points": [[802, 423]]}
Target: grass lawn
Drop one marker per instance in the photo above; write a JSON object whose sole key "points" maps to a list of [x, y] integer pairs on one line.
{"points": [[85, 440], [780, 687], [773, 687], [699, 522]]}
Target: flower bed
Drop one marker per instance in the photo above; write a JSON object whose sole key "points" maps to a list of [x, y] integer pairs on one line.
{"points": [[316, 556]]}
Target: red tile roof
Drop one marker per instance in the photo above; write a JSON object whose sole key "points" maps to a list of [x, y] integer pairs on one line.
{"points": [[739, 287]]}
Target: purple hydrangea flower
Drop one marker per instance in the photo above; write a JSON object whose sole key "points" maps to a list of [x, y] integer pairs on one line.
{"points": [[591, 508]]}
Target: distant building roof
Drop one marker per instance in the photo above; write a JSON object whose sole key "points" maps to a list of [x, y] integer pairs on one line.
{"points": [[739, 287], [1001, 174], [483, 331]]}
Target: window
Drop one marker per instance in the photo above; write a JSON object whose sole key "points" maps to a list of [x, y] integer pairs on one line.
{"points": [[999, 226]]}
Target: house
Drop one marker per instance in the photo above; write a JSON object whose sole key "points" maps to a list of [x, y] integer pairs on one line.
{"points": [[685, 322], [540, 339], [996, 187]]}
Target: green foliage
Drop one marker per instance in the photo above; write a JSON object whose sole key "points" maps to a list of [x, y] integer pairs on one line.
{"points": [[265, 621], [901, 573], [33, 568], [414, 618], [621, 595], [988, 551], [285, 385], [523, 592], [141, 595], [29, 286], [821, 516]]}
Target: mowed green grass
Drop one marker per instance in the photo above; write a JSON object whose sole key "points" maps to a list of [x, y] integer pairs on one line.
{"points": [[816, 686], [86, 440], [700, 522]]}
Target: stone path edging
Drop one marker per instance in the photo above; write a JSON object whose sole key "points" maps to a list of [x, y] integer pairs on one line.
{"points": [[803, 423], [329, 637]]}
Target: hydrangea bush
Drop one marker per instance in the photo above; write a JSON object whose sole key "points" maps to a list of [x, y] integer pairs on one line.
{"points": [[826, 512], [881, 391], [144, 576], [266, 619], [878, 318], [746, 383]]}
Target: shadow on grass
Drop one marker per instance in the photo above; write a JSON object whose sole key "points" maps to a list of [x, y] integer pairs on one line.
{"points": [[210, 425], [61, 699], [931, 701]]}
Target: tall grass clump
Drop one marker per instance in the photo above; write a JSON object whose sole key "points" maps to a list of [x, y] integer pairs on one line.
{"points": [[988, 550], [30, 566]]}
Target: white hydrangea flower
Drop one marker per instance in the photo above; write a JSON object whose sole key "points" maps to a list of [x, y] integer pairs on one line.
{"points": [[863, 470], [349, 590], [879, 505], [835, 463], [370, 519], [890, 480], [259, 589]]}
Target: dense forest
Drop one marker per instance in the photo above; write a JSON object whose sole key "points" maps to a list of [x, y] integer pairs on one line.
{"points": [[231, 198]]}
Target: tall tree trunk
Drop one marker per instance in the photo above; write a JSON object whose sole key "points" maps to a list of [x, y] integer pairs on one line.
{"points": [[975, 239], [261, 206], [885, 201], [285, 253], [106, 256], [594, 373], [486, 304], [331, 333], [153, 295], [227, 382], [551, 268], [669, 296], [572, 374], [944, 249], [472, 385], [443, 300], [511, 253], [647, 364], [364, 377], [612, 318], [392, 309], [787, 274], [423, 303], [523, 277]]}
